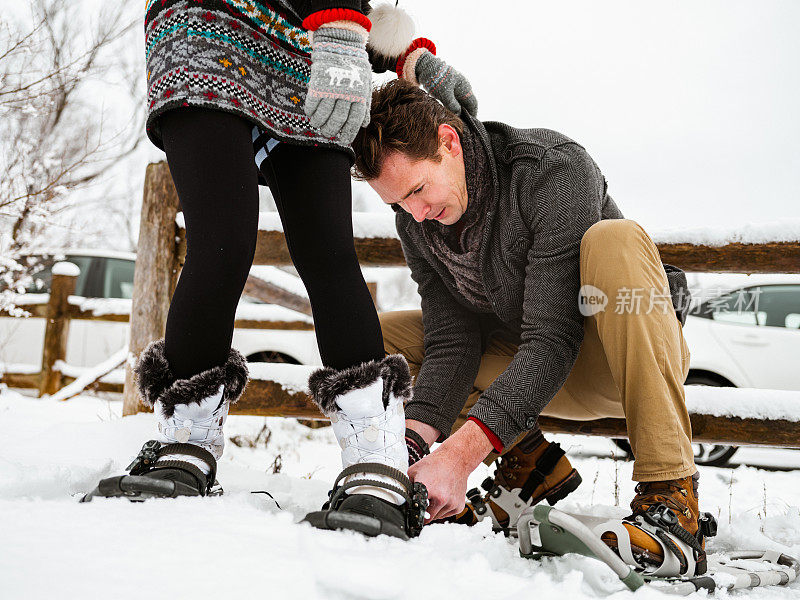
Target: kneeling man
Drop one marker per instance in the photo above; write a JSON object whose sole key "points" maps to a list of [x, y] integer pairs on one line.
{"points": [[538, 297]]}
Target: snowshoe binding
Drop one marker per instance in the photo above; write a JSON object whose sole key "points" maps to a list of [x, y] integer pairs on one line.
{"points": [[368, 514], [158, 472], [666, 531], [525, 476]]}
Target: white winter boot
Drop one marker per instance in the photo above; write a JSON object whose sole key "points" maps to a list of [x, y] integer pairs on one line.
{"points": [[191, 413], [372, 494]]}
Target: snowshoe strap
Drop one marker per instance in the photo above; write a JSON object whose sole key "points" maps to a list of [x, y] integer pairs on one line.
{"points": [[375, 469], [153, 450], [673, 548], [404, 489], [544, 467], [664, 520]]}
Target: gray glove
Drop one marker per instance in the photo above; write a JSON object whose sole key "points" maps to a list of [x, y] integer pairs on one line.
{"points": [[340, 86], [446, 84]]}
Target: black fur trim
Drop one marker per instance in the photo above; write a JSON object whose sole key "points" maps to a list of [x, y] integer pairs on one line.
{"points": [[327, 384], [155, 380]]}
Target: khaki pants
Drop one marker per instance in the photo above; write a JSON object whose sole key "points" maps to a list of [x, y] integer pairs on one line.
{"points": [[632, 362]]}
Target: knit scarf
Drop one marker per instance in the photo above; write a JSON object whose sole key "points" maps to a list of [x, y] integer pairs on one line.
{"points": [[460, 252]]}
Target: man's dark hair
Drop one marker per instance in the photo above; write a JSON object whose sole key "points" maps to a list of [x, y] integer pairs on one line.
{"points": [[404, 118]]}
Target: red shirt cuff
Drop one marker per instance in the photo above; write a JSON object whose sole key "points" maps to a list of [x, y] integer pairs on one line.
{"points": [[493, 439]]}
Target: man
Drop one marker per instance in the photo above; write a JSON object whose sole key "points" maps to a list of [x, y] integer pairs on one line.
{"points": [[501, 227]]}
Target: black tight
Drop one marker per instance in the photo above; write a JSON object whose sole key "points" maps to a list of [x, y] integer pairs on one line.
{"points": [[210, 155]]}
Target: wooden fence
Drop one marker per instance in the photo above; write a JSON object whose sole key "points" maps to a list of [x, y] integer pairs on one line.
{"points": [[61, 307], [162, 247]]}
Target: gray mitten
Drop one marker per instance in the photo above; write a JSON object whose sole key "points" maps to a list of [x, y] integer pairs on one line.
{"points": [[445, 84], [340, 86]]}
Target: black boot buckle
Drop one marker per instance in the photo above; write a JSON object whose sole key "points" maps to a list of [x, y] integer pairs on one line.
{"points": [[146, 458]]}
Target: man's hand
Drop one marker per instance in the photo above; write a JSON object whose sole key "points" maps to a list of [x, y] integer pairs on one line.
{"points": [[446, 470]]}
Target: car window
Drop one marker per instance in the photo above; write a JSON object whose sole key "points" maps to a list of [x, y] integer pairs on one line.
{"points": [[43, 277], [118, 278], [778, 305], [737, 307]]}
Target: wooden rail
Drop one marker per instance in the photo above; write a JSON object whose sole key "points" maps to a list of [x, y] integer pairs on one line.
{"points": [[271, 399]]}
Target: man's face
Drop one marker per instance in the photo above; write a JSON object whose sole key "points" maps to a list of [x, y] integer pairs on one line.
{"points": [[425, 188]]}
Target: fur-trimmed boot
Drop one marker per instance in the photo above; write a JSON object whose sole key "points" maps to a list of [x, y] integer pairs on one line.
{"points": [[373, 494], [182, 459]]}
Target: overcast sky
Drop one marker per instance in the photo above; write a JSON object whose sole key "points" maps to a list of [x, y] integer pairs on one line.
{"points": [[690, 108]]}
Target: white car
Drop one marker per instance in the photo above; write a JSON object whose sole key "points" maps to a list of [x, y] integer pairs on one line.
{"points": [[108, 274], [743, 331]]}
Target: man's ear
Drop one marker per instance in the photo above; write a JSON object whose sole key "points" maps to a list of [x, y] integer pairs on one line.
{"points": [[449, 140]]}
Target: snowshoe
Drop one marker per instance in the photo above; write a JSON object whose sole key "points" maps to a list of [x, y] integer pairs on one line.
{"points": [[368, 514], [546, 531], [169, 478], [524, 477], [665, 528]]}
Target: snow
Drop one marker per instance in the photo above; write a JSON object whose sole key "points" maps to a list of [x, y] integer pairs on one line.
{"points": [[379, 225], [28, 299], [92, 374], [100, 307], [745, 403], [114, 376], [242, 544], [66, 268], [293, 378], [282, 279], [785, 230], [20, 368], [269, 312], [365, 224]]}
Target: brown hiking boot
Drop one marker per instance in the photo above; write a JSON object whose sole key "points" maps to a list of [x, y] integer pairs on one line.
{"points": [[532, 471], [678, 495]]}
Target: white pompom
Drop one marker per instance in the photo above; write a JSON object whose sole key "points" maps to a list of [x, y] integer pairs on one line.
{"points": [[392, 30]]}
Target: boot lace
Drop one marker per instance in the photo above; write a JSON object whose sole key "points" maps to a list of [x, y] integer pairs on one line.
{"points": [[650, 493], [369, 429]]}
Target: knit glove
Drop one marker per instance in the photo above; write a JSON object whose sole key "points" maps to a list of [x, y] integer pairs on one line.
{"points": [[421, 66], [340, 85]]}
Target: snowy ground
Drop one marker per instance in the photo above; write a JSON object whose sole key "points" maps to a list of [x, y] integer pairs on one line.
{"points": [[241, 545]]}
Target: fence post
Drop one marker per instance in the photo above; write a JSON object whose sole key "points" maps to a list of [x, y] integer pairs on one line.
{"points": [[156, 274], [65, 276]]}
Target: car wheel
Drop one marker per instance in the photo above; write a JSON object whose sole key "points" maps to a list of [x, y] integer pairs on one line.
{"points": [[709, 455], [270, 356]]}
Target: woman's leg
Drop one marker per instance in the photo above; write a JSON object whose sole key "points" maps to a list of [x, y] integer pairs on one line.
{"points": [[312, 189], [210, 156]]}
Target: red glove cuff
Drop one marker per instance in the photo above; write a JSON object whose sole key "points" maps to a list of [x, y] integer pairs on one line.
{"points": [[493, 439], [315, 20], [417, 43]]}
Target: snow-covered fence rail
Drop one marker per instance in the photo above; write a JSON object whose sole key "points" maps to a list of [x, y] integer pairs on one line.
{"points": [[734, 416], [162, 247]]}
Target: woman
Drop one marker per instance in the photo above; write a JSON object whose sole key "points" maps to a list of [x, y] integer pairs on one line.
{"points": [[287, 84]]}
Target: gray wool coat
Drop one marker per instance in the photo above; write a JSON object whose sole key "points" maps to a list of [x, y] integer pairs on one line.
{"points": [[547, 191]]}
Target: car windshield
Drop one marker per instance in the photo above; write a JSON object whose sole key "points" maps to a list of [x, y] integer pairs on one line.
{"points": [[43, 273]]}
